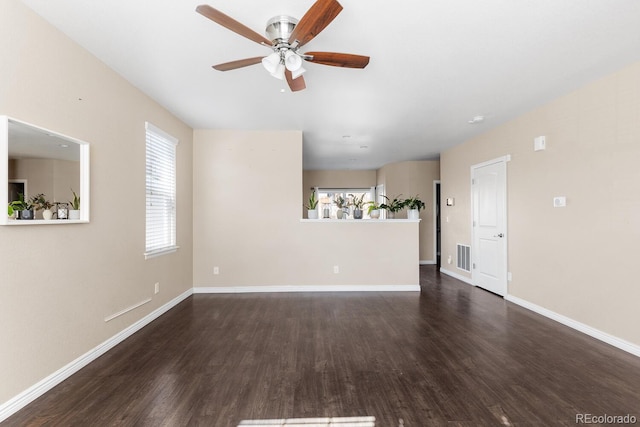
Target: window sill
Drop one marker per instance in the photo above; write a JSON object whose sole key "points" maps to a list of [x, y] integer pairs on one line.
{"points": [[159, 252], [367, 221], [45, 221]]}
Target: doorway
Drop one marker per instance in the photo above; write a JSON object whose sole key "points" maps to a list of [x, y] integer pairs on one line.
{"points": [[489, 207]]}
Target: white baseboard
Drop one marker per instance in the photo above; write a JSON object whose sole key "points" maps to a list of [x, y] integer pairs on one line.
{"points": [[428, 262], [18, 402], [456, 276], [327, 288], [574, 324]]}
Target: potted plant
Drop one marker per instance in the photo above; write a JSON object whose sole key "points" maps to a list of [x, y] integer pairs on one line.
{"points": [[341, 203], [373, 210], [414, 204], [74, 206], [312, 205], [22, 208], [40, 202], [358, 204], [393, 205]]}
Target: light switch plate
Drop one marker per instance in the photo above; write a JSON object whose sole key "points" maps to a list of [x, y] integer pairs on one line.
{"points": [[539, 143], [559, 202]]}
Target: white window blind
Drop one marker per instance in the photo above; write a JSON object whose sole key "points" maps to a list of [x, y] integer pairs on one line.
{"points": [[161, 192]]}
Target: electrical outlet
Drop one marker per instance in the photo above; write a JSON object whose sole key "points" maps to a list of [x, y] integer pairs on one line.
{"points": [[509, 276], [559, 202], [336, 269], [216, 270], [156, 288]]}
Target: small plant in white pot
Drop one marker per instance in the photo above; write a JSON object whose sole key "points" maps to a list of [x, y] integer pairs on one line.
{"points": [[74, 206], [392, 206], [414, 205], [341, 203], [40, 202], [312, 206], [373, 210]]}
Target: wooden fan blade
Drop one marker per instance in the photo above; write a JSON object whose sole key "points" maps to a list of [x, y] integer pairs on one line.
{"points": [[295, 84], [238, 64], [231, 24], [338, 59], [315, 20]]}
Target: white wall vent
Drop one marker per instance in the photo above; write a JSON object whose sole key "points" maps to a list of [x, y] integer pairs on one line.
{"points": [[463, 261]]}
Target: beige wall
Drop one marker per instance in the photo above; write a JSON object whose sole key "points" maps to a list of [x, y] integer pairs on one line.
{"points": [[578, 261], [247, 222], [338, 179], [409, 179], [59, 282]]}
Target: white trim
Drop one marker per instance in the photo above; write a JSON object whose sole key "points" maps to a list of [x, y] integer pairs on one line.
{"points": [[4, 165], [428, 262], [359, 221], [159, 252], [435, 222], [85, 185], [505, 158], [47, 222], [126, 310], [304, 288], [18, 402], [148, 126], [578, 326], [457, 276]]}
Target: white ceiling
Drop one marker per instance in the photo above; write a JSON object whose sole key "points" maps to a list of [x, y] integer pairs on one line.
{"points": [[434, 66]]}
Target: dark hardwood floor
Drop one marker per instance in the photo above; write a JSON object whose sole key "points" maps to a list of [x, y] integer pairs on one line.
{"points": [[452, 355]]}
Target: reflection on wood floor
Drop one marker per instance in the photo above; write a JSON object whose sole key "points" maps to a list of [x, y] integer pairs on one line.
{"points": [[451, 355]]}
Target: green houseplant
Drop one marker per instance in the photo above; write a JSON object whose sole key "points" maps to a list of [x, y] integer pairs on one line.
{"points": [[414, 205], [373, 210], [40, 202], [21, 207], [393, 205], [312, 205], [74, 206], [341, 203]]}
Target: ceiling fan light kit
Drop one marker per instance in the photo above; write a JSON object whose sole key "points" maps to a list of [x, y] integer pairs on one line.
{"points": [[287, 35], [292, 60], [271, 62]]}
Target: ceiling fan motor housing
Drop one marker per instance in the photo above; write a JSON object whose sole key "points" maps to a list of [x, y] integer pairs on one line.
{"points": [[279, 28]]}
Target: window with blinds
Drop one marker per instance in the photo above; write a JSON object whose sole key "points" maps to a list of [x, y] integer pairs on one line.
{"points": [[161, 192]]}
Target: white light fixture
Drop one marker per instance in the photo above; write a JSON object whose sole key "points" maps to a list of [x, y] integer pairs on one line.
{"points": [[476, 119], [271, 62], [292, 60], [297, 73], [276, 63], [279, 72]]}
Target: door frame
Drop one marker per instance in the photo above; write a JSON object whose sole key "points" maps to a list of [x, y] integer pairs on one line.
{"points": [[437, 211], [503, 159]]}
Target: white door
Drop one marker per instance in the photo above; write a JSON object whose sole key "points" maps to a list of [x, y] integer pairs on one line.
{"points": [[489, 251]]}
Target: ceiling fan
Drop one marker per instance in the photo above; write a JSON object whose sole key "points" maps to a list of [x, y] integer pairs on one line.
{"points": [[287, 35]]}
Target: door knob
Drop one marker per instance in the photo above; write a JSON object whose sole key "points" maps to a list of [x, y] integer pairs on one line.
{"points": [[499, 235]]}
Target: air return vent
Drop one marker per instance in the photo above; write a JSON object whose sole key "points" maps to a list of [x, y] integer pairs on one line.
{"points": [[464, 257]]}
